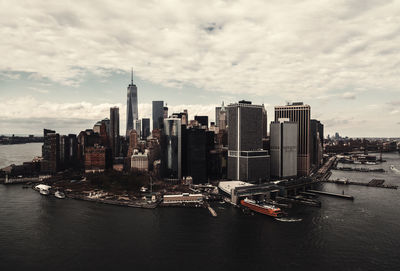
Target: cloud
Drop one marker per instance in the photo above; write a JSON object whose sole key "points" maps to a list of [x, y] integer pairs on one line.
{"points": [[293, 48], [393, 112], [348, 95], [394, 103]]}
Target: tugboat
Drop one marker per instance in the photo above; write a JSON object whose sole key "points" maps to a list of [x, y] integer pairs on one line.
{"points": [[262, 208]]}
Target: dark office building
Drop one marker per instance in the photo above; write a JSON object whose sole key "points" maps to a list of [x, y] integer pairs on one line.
{"points": [[197, 155], [300, 113], [165, 109], [316, 142], [247, 161], [265, 122], [114, 131], [158, 114], [203, 120], [50, 151], [145, 128]]}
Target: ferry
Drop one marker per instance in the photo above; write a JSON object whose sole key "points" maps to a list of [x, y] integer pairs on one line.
{"points": [[262, 208]]}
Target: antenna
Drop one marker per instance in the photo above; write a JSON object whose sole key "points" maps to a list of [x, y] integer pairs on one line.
{"points": [[132, 76]]}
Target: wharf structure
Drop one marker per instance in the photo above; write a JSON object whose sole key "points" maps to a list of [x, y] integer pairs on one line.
{"points": [[237, 190]]}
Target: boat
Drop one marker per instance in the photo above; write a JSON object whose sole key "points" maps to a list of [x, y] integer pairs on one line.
{"points": [[44, 192], [43, 189], [263, 208], [59, 195]]}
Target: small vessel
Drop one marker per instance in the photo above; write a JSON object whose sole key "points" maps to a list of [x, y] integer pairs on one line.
{"points": [[59, 195], [370, 163], [357, 162], [44, 192], [263, 208], [43, 189]]}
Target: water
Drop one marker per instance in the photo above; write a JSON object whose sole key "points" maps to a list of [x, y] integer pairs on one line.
{"points": [[38, 232], [19, 153]]}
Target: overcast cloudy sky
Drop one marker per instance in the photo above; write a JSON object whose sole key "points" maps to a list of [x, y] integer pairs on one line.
{"points": [[64, 63]]}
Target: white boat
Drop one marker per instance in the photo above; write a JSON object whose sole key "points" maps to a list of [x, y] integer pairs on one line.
{"points": [[44, 192], [43, 189], [59, 195]]}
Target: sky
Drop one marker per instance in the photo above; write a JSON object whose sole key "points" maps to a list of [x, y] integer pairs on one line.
{"points": [[65, 63]]}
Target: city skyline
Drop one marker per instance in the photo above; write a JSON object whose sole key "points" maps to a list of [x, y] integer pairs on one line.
{"points": [[197, 58]]}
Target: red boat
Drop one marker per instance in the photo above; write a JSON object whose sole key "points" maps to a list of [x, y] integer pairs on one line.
{"points": [[262, 208]]}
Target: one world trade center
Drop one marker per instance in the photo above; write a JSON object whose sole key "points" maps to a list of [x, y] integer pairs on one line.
{"points": [[131, 106]]}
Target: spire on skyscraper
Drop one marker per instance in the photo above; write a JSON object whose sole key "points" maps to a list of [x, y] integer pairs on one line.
{"points": [[132, 76]]}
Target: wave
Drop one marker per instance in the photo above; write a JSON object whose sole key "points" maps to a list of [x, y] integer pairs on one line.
{"points": [[289, 219]]}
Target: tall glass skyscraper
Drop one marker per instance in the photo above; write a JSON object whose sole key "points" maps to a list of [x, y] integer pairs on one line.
{"points": [[172, 149], [158, 114], [131, 106]]}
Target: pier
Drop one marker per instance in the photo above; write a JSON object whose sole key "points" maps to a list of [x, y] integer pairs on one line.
{"points": [[378, 183], [332, 194], [360, 169]]}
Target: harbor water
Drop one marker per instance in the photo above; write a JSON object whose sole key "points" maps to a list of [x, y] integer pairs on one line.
{"points": [[39, 232]]}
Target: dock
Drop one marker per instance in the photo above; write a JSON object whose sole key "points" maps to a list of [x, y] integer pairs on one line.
{"points": [[360, 169], [20, 180], [378, 183], [332, 194]]}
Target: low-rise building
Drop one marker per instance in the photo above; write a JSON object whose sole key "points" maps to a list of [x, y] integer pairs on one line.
{"points": [[140, 161], [183, 198], [97, 158]]}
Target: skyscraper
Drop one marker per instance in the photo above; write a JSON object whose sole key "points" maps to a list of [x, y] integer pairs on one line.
{"points": [[247, 161], [265, 122], [158, 114], [196, 153], [50, 151], [300, 113], [283, 135], [145, 128], [131, 106], [137, 126], [172, 149], [316, 142], [217, 110], [221, 117], [114, 131]]}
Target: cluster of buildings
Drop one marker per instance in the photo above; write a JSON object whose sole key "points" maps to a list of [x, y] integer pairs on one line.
{"points": [[178, 147]]}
